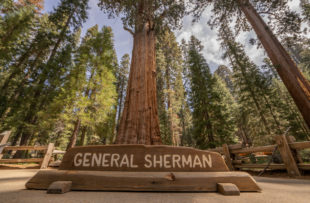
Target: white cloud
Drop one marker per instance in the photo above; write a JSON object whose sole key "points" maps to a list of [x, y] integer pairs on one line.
{"points": [[212, 50]]}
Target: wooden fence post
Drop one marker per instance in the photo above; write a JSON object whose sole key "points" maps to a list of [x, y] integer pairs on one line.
{"points": [[47, 156], [3, 140], [287, 156], [291, 139], [228, 157]]}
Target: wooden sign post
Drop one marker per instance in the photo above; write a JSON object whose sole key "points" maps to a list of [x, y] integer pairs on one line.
{"points": [[142, 168]]}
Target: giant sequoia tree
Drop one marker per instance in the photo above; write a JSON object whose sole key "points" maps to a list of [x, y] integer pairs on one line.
{"points": [[143, 19]]}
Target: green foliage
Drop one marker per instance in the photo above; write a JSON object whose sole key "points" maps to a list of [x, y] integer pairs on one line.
{"points": [[135, 14], [170, 88], [50, 79], [212, 104]]}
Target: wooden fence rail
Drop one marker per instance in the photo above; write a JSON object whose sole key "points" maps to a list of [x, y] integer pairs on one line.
{"points": [[48, 151], [289, 151]]}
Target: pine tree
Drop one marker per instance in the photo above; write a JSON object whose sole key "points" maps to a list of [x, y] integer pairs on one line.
{"points": [[171, 89], [285, 20], [226, 75], [50, 70], [96, 92], [252, 90], [305, 5], [212, 123]]}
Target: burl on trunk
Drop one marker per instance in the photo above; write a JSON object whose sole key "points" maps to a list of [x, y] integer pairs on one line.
{"points": [[139, 123]]}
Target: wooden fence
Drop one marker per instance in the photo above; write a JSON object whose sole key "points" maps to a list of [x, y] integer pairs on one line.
{"points": [[48, 151], [289, 151]]}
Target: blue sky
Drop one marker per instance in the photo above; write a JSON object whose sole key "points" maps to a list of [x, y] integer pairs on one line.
{"points": [[123, 40], [212, 51]]}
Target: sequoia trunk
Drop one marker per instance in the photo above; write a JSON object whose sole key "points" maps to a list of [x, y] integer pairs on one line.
{"points": [[139, 123], [295, 82]]}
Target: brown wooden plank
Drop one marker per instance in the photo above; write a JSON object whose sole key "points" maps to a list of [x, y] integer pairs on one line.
{"points": [[297, 156], [59, 187], [147, 158], [228, 189], [259, 166], [4, 137], [19, 148], [235, 146], [143, 181], [58, 151], [237, 161], [34, 160], [268, 148], [300, 145], [304, 166], [230, 147], [228, 157], [48, 155], [287, 156], [218, 149]]}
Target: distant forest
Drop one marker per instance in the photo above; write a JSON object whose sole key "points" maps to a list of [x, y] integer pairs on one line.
{"points": [[58, 86]]}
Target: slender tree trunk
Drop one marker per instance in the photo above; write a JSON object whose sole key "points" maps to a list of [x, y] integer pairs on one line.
{"points": [[273, 115], [83, 135], [295, 82], [170, 114], [139, 123], [74, 134], [209, 128]]}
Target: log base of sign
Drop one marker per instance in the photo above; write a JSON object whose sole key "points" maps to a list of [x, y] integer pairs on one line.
{"points": [[144, 168], [144, 181], [59, 187], [228, 189]]}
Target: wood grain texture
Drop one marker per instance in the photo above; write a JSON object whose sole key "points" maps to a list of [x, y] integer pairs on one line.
{"points": [[143, 181], [296, 155], [4, 137], [300, 145], [138, 152], [228, 159], [249, 150], [32, 160], [297, 85], [17, 148], [228, 189], [271, 166], [47, 156], [139, 122], [59, 187], [287, 156]]}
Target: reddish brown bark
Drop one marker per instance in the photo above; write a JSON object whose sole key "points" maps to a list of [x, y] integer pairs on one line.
{"points": [[295, 82], [139, 123]]}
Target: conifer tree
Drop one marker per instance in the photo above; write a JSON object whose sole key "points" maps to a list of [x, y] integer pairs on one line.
{"points": [[211, 124], [50, 70], [96, 92], [285, 20], [171, 89], [251, 89], [139, 123]]}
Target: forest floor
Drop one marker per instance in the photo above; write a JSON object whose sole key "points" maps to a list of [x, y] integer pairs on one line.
{"points": [[12, 189]]}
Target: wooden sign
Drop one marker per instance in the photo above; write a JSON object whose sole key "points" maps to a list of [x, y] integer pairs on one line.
{"points": [[142, 168], [138, 158]]}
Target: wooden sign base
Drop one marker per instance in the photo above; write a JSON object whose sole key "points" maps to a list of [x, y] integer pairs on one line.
{"points": [[144, 168], [143, 181]]}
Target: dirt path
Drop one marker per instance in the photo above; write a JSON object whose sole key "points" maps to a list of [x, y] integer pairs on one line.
{"points": [[274, 190]]}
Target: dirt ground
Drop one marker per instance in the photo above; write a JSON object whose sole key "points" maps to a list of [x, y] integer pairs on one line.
{"points": [[12, 189]]}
